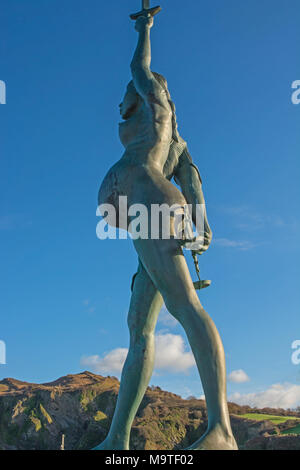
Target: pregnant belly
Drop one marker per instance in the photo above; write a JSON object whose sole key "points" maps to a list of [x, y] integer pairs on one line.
{"points": [[116, 183], [140, 185]]}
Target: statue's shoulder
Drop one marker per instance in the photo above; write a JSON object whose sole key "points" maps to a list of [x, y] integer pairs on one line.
{"points": [[179, 146]]}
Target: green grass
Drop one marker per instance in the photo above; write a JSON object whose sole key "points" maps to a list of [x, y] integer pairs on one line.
{"points": [[45, 414], [99, 416], [295, 430], [273, 418], [36, 422]]}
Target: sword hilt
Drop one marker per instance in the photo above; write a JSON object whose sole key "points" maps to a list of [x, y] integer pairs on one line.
{"points": [[145, 12]]}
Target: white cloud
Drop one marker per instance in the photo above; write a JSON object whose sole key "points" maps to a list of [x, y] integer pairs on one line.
{"points": [[112, 362], [238, 376], [170, 355], [240, 245], [250, 219], [284, 395]]}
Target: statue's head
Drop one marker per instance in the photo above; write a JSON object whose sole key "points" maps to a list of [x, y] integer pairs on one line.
{"points": [[132, 102]]}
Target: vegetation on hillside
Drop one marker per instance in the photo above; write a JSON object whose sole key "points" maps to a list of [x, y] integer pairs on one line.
{"points": [[81, 406]]}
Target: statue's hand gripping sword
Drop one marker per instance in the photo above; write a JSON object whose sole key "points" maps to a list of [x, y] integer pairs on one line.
{"points": [[146, 10]]}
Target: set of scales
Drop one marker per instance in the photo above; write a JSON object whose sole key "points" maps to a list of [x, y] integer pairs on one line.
{"points": [[147, 11]]}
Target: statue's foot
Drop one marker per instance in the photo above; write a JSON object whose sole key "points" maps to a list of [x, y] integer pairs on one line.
{"points": [[101, 446], [215, 439]]}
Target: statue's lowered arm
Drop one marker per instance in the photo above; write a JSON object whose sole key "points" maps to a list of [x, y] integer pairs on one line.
{"points": [[188, 177]]}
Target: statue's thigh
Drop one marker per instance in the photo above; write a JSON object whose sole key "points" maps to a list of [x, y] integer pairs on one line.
{"points": [[145, 304]]}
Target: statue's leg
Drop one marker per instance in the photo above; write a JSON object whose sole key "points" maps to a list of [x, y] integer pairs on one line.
{"points": [[166, 265], [145, 306]]}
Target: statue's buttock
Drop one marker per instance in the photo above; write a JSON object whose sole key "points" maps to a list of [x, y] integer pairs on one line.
{"points": [[141, 184]]}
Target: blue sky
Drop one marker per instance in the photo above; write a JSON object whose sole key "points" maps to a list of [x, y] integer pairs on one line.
{"points": [[64, 293]]}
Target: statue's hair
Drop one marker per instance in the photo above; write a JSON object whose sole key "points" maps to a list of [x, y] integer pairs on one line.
{"points": [[163, 82]]}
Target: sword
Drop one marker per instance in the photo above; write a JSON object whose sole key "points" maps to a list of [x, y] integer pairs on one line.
{"points": [[146, 10]]}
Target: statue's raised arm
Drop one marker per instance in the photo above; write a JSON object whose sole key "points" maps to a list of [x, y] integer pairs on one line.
{"points": [[144, 81]]}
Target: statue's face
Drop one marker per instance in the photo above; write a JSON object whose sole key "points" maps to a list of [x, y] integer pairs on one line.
{"points": [[130, 102]]}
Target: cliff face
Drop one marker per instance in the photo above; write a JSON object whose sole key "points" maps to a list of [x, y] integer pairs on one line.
{"points": [[35, 416], [81, 407]]}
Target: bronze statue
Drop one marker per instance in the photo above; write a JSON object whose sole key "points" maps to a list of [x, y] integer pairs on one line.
{"points": [[154, 153]]}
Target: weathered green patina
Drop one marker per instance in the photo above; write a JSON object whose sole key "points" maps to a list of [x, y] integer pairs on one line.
{"points": [[154, 153]]}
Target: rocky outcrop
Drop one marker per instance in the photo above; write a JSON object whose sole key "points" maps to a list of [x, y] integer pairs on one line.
{"points": [[81, 406], [265, 442]]}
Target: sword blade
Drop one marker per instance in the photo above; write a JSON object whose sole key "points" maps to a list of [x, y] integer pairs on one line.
{"points": [[145, 4]]}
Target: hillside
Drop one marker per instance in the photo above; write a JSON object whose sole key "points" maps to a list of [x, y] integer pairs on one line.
{"points": [[34, 416]]}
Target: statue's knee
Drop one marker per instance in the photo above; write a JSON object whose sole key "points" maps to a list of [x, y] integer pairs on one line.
{"points": [[141, 339], [175, 299], [138, 329], [182, 307], [173, 307]]}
